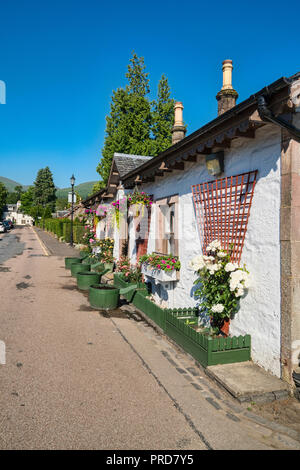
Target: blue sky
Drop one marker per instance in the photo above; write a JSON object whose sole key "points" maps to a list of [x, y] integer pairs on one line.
{"points": [[61, 59]]}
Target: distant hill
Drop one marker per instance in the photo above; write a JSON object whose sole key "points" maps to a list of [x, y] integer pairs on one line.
{"points": [[11, 184], [83, 189]]}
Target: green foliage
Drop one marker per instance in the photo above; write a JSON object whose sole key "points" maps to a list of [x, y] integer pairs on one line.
{"points": [[19, 191], [11, 184], [97, 187], [62, 228], [3, 197], [81, 190], [163, 117], [27, 201], [220, 283], [61, 203], [44, 192], [12, 198], [132, 127]]}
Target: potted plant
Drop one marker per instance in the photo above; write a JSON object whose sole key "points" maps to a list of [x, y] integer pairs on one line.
{"points": [[221, 285]]}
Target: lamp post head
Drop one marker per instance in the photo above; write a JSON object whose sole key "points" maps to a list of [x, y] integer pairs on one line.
{"points": [[72, 179]]}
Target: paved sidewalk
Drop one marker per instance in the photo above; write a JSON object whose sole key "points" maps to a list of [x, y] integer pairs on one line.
{"points": [[53, 246]]}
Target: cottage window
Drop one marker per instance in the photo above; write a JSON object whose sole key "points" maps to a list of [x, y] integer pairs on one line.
{"points": [[167, 225]]}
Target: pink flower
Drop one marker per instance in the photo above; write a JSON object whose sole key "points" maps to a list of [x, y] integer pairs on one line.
{"points": [[173, 260], [159, 266], [163, 261], [168, 266]]}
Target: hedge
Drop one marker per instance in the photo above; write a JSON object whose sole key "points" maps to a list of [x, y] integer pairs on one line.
{"points": [[62, 228]]}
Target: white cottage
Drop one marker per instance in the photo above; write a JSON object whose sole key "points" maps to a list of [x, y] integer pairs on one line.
{"points": [[236, 179], [12, 212]]}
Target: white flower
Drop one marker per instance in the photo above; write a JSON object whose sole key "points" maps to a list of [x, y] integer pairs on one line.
{"points": [[208, 258], [213, 246], [221, 254], [239, 292], [217, 308], [197, 263], [230, 267], [240, 276], [212, 268]]}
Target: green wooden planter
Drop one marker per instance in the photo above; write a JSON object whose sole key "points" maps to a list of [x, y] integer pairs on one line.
{"points": [[208, 351], [86, 279], [69, 261], [104, 297], [79, 268], [153, 311], [121, 283]]}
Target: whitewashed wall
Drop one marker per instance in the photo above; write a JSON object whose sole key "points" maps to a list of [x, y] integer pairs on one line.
{"points": [[259, 314]]}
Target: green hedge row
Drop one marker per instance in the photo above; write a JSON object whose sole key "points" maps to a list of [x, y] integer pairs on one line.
{"points": [[62, 228]]}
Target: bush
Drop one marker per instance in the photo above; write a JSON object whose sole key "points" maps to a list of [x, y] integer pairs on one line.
{"points": [[62, 228]]}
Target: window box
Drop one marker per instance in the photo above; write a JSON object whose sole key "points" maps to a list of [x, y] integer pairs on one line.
{"points": [[159, 275]]}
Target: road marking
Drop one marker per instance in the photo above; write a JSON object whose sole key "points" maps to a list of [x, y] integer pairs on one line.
{"points": [[41, 243]]}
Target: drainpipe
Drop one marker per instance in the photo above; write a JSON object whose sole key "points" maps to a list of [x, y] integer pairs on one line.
{"points": [[267, 115]]}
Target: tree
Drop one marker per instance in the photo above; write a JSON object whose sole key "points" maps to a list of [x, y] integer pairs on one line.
{"points": [[27, 201], [15, 196], [163, 117], [61, 203], [44, 192], [128, 126], [12, 198], [3, 197], [19, 191]]}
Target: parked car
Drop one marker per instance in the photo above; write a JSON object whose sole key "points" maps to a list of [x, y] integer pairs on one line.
{"points": [[3, 228], [6, 224]]}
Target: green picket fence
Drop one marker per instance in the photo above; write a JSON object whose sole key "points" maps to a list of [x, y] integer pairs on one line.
{"points": [[205, 349]]}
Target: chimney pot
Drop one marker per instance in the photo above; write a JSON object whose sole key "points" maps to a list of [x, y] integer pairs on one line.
{"points": [[227, 96], [179, 129]]}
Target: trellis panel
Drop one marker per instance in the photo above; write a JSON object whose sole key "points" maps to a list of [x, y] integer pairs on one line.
{"points": [[222, 210]]}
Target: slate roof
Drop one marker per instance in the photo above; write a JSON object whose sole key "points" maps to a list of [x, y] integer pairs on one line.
{"points": [[126, 163]]}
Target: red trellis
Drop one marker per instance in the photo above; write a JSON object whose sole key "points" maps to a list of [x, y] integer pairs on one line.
{"points": [[222, 210]]}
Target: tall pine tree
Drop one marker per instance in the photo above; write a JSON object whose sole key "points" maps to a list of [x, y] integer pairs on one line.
{"points": [[163, 117], [44, 192], [132, 126], [128, 126]]}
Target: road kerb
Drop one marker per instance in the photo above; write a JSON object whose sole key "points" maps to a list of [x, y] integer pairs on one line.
{"points": [[41, 243]]}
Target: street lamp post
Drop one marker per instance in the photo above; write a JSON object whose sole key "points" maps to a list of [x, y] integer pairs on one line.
{"points": [[72, 179]]}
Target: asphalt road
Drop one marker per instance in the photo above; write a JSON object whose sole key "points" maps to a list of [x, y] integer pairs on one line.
{"points": [[77, 379]]}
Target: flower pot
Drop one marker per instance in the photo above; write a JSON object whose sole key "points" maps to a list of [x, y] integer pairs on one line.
{"points": [[224, 330], [86, 279], [79, 268], [104, 297], [69, 261]]}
